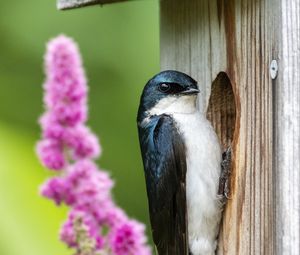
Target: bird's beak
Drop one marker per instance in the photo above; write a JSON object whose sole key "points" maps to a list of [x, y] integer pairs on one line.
{"points": [[190, 91]]}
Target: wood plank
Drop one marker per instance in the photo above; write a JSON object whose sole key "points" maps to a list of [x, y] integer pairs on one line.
{"points": [[204, 38], [287, 131], [71, 4]]}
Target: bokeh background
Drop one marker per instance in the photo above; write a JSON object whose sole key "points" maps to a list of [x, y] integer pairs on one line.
{"points": [[119, 45]]}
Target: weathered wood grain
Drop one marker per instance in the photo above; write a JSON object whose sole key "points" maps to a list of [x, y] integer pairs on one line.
{"points": [[287, 131], [71, 4], [204, 38]]}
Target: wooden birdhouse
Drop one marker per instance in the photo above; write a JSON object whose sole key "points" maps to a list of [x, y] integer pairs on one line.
{"points": [[246, 54]]}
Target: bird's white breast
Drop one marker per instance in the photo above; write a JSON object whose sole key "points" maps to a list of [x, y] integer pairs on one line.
{"points": [[203, 171]]}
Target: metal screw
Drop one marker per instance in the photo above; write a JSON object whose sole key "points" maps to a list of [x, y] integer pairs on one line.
{"points": [[273, 69]]}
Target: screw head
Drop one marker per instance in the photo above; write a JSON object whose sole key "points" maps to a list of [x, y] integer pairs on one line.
{"points": [[273, 69]]}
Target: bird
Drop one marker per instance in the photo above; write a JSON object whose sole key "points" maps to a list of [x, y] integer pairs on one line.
{"points": [[182, 160]]}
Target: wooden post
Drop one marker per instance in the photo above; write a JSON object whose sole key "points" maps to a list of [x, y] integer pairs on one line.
{"points": [[287, 130], [204, 38]]}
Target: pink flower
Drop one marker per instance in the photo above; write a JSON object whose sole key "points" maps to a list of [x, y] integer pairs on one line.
{"points": [[88, 184], [65, 86], [69, 114], [66, 81], [70, 146], [83, 142], [114, 216], [51, 154], [51, 128], [58, 190], [64, 132], [83, 186], [54, 189], [71, 230], [128, 239]]}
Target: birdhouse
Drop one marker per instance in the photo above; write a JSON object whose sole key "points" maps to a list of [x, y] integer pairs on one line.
{"points": [[245, 55]]}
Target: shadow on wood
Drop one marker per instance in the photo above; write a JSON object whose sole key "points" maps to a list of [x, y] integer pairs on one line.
{"points": [[221, 110]]}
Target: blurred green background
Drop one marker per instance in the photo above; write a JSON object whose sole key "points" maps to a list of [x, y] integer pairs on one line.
{"points": [[119, 45]]}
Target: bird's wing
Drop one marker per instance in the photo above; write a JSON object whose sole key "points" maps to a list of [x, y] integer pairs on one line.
{"points": [[164, 159]]}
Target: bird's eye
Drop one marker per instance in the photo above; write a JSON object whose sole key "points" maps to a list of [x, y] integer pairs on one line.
{"points": [[164, 87]]}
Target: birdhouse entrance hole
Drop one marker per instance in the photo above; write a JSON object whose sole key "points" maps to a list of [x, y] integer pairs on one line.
{"points": [[221, 110]]}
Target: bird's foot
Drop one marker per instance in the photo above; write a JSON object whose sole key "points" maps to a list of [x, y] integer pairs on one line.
{"points": [[224, 189]]}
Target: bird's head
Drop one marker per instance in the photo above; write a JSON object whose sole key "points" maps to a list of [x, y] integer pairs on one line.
{"points": [[168, 92]]}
